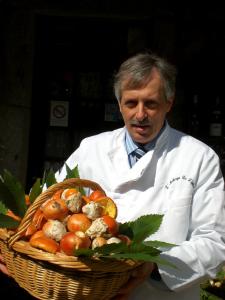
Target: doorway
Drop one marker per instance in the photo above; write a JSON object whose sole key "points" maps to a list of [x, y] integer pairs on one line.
{"points": [[74, 63]]}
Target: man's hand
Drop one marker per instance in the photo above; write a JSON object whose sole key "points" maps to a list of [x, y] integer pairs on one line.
{"points": [[3, 267], [137, 277]]}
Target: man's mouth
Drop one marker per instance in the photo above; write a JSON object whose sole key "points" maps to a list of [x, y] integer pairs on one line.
{"points": [[140, 128], [139, 125]]}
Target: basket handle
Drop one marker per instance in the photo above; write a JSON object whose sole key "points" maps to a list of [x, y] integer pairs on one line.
{"points": [[67, 183]]}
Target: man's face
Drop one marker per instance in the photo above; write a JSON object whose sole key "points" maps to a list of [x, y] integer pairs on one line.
{"points": [[144, 109]]}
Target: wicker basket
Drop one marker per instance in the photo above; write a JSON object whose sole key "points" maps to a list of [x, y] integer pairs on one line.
{"points": [[58, 276]]}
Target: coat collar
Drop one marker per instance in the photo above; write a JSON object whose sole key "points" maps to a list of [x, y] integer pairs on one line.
{"points": [[118, 157]]}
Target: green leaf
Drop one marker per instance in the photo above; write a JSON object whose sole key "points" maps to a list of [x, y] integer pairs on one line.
{"points": [[135, 256], [108, 249], [36, 190], [74, 173], [49, 178], [43, 179], [122, 251], [209, 293], [136, 251], [12, 194], [159, 244], [221, 274], [84, 252], [141, 228], [141, 247], [3, 208], [8, 222], [145, 257]]}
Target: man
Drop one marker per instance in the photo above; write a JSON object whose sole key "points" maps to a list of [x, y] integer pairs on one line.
{"points": [[178, 176], [147, 167]]}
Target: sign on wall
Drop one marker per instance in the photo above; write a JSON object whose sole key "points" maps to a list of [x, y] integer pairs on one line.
{"points": [[59, 113]]}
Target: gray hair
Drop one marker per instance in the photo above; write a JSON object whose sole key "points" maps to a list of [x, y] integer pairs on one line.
{"points": [[135, 72]]}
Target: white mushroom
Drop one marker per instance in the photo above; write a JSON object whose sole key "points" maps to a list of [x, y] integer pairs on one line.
{"points": [[97, 228], [93, 210], [98, 242], [54, 229], [74, 201], [113, 240]]}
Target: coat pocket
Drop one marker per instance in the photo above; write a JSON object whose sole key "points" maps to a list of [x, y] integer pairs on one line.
{"points": [[176, 220]]}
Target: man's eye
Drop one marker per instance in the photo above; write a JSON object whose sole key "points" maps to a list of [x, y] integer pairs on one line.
{"points": [[130, 103], [151, 105]]}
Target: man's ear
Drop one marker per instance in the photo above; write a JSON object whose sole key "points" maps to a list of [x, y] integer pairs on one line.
{"points": [[170, 103], [119, 103]]}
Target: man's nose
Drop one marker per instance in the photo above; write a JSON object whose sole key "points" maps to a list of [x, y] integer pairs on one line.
{"points": [[141, 112]]}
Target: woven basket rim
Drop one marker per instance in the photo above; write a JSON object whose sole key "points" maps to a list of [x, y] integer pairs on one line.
{"points": [[18, 244], [44, 196], [44, 280], [74, 262], [85, 264]]}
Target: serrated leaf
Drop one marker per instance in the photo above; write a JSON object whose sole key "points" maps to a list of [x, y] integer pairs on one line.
{"points": [[126, 229], [113, 252], [221, 274], [3, 208], [142, 248], [141, 228], [135, 256], [74, 173], [112, 248], [160, 261], [43, 179], [121, 251], [50, 178], [8, 222], [36, 190], [141, 251], [6, 196], [84, 252], [12, 194], [159, 244], [145, 257]]}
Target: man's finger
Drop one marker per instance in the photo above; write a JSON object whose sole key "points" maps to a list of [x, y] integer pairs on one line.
{"points": [[4, 269], [2, 258]]}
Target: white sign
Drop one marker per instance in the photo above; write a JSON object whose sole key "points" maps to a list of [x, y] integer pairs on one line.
{"points": [[59, 113]]}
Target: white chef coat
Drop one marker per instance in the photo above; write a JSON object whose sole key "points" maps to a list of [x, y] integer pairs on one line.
{"points": [[180, 179]]}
